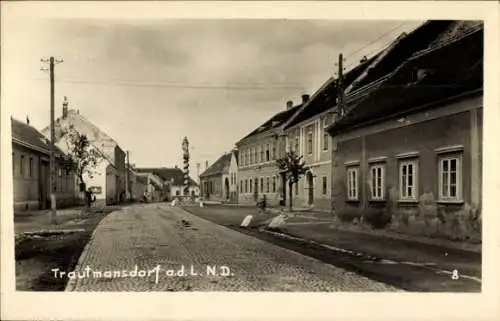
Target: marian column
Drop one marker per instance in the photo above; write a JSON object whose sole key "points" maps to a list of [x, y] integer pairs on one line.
{"points": [[185, 150]]}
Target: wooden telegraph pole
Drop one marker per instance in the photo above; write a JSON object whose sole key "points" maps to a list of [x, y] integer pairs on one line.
{"points": [[52, 182], [341, 85]]}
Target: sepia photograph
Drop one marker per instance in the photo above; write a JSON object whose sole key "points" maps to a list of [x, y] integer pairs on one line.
{"points": [[244, 155]]}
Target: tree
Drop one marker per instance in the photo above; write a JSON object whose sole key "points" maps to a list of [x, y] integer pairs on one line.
{"points": [[83, 156], [292, 167]]}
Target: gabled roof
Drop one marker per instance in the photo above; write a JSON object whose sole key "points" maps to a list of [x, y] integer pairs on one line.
{"points": [[84, 126], [326, 97], [403, 92], [399, 50], [220, 166], [168, 174], [30, 137], [275, 121]]}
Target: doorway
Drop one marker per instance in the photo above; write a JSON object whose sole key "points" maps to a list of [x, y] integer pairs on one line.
{"points": [[226, 188]]}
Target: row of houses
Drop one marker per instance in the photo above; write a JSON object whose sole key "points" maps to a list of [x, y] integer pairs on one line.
{"points": [[113, 181], [408, 128]]}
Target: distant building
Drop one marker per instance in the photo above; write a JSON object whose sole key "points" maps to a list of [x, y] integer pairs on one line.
{"points": [[257, 154], [151, 186], [220, 180], [109, 182], [31, 171], [418, 133], [173, 181]]}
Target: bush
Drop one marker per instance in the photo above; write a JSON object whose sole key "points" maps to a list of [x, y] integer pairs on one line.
{"points": [[349, 214], [377, 218]]}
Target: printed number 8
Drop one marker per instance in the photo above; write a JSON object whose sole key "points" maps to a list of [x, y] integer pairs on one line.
{"points": [[454, 275]]}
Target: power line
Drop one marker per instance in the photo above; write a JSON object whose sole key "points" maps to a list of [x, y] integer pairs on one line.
{"points": [[375, 49], [377, 39], [180, 85]]}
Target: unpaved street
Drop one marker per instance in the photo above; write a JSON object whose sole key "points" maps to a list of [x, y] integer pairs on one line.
{"points": [[143, 237]]}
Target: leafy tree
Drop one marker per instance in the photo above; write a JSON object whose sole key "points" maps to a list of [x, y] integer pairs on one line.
{"points": [[292, 167], [82, 155]]}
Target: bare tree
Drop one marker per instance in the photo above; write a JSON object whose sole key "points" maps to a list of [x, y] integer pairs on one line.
{"points": [[292, 167]]}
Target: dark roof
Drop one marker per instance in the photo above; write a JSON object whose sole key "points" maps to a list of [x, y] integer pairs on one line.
{"points": [[274, 122], [401, 49], [403, 93], [220, 166], [167, 174], [31, 137], [326, 97]]}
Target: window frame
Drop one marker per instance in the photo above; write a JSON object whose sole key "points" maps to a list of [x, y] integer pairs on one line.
{"points": [[274, 183], [309, 138], [268, 184], [261, 185], [458, 157], [250, 186], [268, 153], [403, 186], [382, 195], [355, 189], [30, 169], [324, 185], [21, 165], [326, 136]]}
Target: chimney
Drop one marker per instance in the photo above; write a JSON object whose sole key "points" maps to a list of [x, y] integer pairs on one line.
{"points": [[65, 108], [27, 120], [289, 104], [206, 165], [305, 98]]}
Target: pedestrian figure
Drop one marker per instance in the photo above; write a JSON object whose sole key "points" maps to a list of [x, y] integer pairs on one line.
{"points": [[88, 198], [262, 204]]}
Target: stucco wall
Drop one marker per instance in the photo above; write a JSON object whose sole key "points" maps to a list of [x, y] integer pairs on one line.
{"points": [[423, 137]]}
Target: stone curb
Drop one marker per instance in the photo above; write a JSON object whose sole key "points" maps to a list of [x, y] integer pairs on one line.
{"points": [[70, 286]]}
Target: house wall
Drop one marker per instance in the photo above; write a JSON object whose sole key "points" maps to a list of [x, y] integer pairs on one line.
{"points": [[259, 166], [31, 188], [318, 158], [212, 187], [454, 129], [176, 191], [233, 179]]}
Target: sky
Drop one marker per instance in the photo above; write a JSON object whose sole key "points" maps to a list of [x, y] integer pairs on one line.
{"points": [[149, 83]]}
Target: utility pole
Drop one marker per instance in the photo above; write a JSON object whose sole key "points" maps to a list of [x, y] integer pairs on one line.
{"points": [[341, 85], [198, 171], [127, 178], [52, 181]]}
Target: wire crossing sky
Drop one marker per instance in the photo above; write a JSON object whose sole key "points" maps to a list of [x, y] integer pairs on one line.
{"points": [[148, 84]]}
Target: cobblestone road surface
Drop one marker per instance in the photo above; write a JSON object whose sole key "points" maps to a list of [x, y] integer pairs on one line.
{"points": [[150, 235]]}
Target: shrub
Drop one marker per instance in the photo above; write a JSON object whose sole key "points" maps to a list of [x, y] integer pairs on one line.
{"points": [[377, 218], [349, 214]]}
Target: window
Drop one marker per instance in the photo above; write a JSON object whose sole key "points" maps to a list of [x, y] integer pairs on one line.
{"points": [[352, 183], [262, 156], [251, 185], [273, 151], [309, 140], [241, 186], [324, 185], [450, 178], [256, 182], [274, 184], [31, 167], [297, 143], [377, 182], [267, 184], [255, 155], [262, 184], [21, 167], [267, 153], [326, 136], [246, 186], [408, 180]]}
